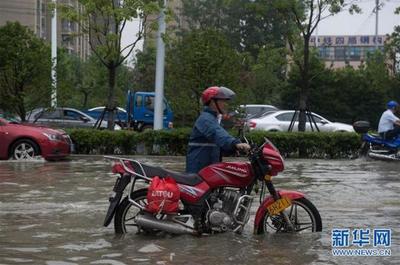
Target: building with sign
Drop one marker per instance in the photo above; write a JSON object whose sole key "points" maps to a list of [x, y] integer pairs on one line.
{"points": [[339, 51]]}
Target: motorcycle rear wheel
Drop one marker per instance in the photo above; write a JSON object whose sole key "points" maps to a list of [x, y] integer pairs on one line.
{"points": [[303, 215], [124, 219]]}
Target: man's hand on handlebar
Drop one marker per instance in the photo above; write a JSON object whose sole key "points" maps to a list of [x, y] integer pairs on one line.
{"points": [[243, 147]]}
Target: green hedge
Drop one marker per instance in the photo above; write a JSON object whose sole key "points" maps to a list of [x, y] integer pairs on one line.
{"points": [[312, 144], [90, 141], [174, 142]]}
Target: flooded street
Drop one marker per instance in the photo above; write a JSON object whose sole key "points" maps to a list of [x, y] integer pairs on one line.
{"points": [[52, 213]]}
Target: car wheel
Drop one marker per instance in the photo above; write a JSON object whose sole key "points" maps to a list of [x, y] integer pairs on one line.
{"points": [[24, 149]]}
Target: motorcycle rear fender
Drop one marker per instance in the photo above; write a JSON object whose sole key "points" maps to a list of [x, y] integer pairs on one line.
{"points": [[269, 200], [118, 189]]}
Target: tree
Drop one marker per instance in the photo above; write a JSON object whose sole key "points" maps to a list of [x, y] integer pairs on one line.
{"points": [[347, 94], [307, 14], [70, 74], [392, 49], [24, 69], [249, 25], [84, 84], [268, 76], [200, 59], [104, 21], [145, 69]]}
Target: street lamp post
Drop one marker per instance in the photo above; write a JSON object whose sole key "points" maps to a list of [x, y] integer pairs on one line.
{"points": [[54, 56], [160, 63]]}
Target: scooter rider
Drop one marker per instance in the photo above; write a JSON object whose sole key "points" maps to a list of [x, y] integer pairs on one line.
{"points": [[208, 137], [389, 124]]}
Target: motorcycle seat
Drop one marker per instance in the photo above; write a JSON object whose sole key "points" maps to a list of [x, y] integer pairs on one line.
{"points": [[181, 178]]}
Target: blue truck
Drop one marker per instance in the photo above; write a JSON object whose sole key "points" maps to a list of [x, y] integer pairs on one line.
{"points": [[138, 113]]}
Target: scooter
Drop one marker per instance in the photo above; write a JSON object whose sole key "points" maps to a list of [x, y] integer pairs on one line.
{"points": [[374, 146], [217, 199]]}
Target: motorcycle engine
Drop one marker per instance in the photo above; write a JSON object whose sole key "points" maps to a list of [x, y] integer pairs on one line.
{"points": [[220, 217]]}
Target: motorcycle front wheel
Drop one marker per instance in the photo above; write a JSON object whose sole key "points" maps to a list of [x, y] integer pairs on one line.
{"points": [[124, 219], [303, 215]]}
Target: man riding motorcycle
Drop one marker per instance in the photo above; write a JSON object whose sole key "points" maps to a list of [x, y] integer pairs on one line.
{"points": [[208, 137], [389, 124]]}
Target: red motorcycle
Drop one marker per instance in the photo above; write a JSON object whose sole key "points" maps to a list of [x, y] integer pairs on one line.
{"points": [[217, 199]]}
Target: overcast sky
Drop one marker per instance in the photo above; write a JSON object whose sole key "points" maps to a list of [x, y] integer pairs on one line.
{"points": [[364, 23], [340, 24]]}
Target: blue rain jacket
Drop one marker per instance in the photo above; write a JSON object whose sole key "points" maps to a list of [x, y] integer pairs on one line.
{"points": [[206, 141]]}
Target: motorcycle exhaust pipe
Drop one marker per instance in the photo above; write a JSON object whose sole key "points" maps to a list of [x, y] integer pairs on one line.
{"points": [[164, 225]]}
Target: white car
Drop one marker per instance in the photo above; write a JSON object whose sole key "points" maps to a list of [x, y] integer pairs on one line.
{"points": [[279, 121], [252, 110]]}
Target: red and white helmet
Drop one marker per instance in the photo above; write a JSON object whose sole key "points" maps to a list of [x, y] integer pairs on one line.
{"points": [[216, 92]]}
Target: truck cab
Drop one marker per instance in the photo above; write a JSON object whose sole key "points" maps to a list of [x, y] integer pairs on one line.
{"points": [[140, 106]]}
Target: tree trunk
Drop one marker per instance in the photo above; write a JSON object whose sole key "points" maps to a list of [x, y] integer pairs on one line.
{"points": [[302, 111], [21, 110], [112, 69], [85, 99], [20, 102]]}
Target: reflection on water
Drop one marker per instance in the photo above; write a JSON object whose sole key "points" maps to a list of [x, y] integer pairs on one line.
{"points": [[52, 213]]}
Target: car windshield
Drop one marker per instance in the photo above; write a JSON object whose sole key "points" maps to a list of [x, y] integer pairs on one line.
{"points": [[262, 114]]}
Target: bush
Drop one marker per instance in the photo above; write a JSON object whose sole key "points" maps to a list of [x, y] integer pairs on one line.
{"points": [[90, 141], [174, 142], [312, 144]]}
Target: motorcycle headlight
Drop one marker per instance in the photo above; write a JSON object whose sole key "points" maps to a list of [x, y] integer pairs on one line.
{"points": [[53, 137]]}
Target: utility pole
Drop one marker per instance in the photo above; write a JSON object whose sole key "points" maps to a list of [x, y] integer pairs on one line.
{"points": [[376, 23], [160, 62], [54, 56]]}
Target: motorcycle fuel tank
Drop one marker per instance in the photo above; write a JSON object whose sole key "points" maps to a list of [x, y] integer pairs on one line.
{"points": [[232, 174]]}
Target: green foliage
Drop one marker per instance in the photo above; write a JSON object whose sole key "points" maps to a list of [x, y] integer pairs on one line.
{"points": [[247, 24], [24, 69], [104, 22], [89, 141], [392, 49], [312, 144], [145, 69], [306, 16], [200, 59], [84, 84], [268, 76], [346, 94], [174, 142]]}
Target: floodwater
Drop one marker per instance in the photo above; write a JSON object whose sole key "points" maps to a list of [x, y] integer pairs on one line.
{"points": [[52, 213]]}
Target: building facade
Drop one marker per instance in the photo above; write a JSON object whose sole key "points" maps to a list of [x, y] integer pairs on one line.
{"points": [[36, 15], [339, 51]]}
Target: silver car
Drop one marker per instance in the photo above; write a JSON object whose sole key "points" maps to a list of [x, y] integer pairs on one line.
{"points": [[280, 121], [252, 110], [64, 118]]}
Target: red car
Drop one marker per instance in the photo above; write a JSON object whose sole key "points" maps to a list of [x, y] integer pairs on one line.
{"points": [[24, 141]]}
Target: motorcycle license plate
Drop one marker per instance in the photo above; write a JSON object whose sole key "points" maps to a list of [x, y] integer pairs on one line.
{"points": [[279, 205]]}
